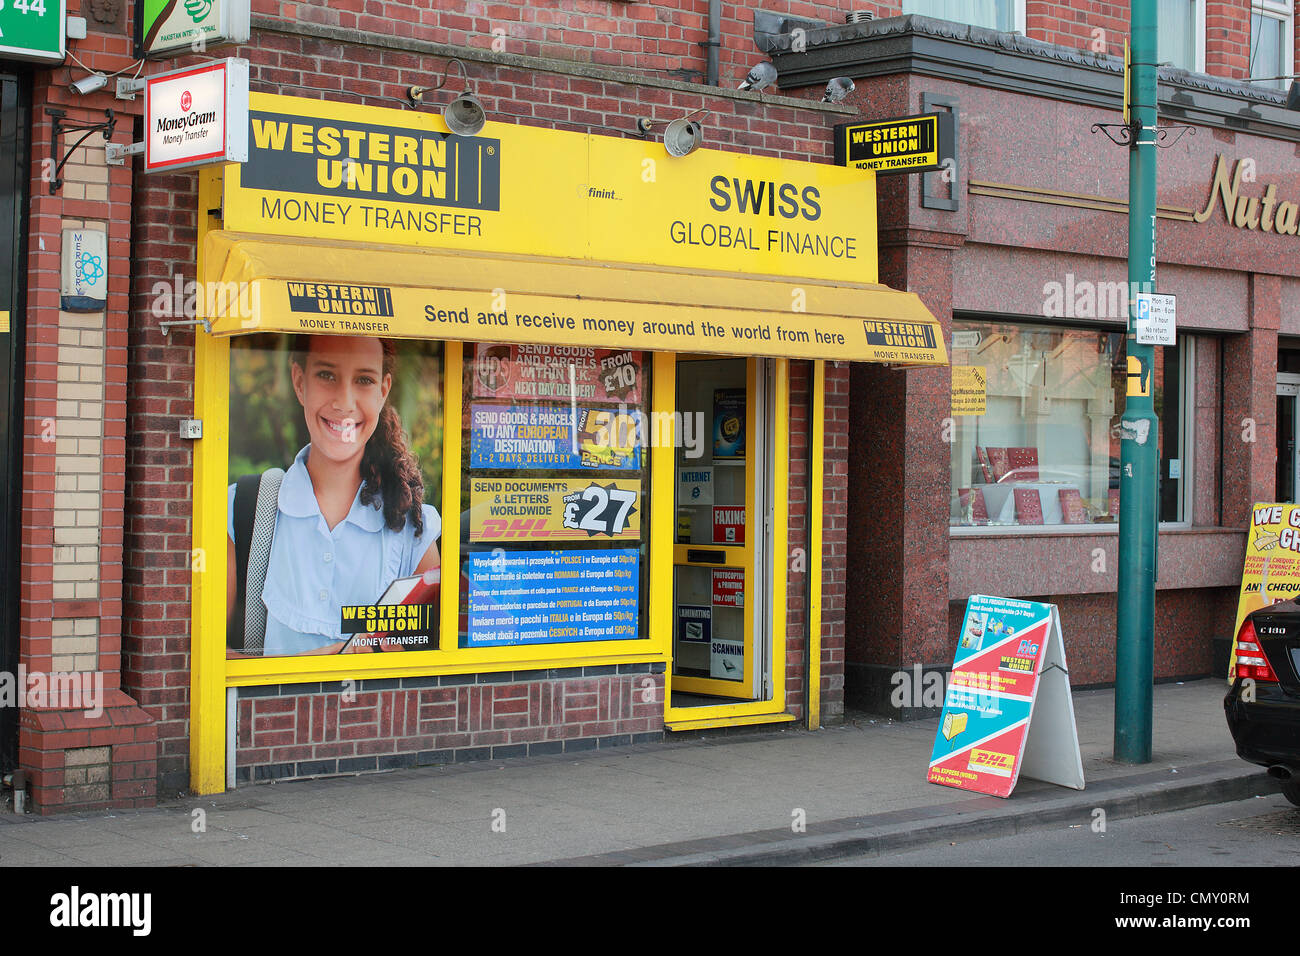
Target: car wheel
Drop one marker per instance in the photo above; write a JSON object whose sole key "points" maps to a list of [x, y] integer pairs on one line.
{"points": [[1291, 789]]}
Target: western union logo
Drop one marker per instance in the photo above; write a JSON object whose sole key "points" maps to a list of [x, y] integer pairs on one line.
{"points": [[911, 335], [986, 761], [321, 298], [393, 619], [300, 154], [909, 142]]}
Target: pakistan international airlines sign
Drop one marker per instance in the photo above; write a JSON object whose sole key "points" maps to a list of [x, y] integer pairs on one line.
{"points": [[165, 27], [912, 144], [365, 174]]}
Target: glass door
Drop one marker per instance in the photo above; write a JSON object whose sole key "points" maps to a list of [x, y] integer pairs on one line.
{"points": [[1288, 449], [718, 600]]}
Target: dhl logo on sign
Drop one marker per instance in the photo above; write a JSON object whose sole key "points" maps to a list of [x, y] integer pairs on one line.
{"points": [[987, 761]]}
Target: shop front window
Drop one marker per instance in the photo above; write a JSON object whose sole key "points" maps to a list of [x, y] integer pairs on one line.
{"points": [[555, 531], [1036, 426], [335, 487]]}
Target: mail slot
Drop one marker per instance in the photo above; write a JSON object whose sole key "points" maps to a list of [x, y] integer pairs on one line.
{"points": [[698, 556]]}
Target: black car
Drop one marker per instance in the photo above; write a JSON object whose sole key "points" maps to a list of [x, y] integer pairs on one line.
{"points": [[1263, 706]]}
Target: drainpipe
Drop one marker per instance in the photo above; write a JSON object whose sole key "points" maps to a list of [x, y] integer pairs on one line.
{"points": [[713, 42]]}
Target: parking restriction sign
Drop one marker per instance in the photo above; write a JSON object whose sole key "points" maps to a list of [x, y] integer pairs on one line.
{"points": [[1153, 319]]}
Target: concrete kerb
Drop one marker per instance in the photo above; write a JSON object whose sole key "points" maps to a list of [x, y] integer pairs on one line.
{"points": [[1133, 795], [1219, 782]]}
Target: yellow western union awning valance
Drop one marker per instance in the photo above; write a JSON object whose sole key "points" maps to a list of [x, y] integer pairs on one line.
{"points": [[254, 283]]}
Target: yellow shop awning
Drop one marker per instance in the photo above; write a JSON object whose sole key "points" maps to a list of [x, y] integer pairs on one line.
{"points": [[259, 284]]}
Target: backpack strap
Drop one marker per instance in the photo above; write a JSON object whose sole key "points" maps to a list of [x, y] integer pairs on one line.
{"points": [[259, 559], [246, 489]]}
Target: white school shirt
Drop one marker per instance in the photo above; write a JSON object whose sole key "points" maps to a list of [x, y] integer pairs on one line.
{"points": [[314, 572]]}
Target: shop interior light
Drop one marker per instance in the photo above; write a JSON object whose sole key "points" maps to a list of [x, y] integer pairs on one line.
{"points": [[464, 115]]}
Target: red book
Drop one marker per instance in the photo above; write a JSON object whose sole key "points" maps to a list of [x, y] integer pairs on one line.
{"points": [[1024, 462], [416, 589], [1000, 463], [1072, 506], [984, 464], [1029, 509]]}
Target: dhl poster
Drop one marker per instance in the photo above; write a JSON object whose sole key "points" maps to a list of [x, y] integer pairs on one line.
{"points": [[530, 436], [1271, 571], [520, 373], [553, 509], [1008, 677]]}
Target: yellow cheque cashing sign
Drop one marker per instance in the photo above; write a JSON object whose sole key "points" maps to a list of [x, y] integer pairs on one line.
{"points": [[384, 180], [1271, 572]]}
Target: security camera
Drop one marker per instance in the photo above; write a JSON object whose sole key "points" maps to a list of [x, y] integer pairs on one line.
{"points": [[88, 84]]}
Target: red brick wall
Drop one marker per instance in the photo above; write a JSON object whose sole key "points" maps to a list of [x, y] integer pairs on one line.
{"points": [[159, 468], [662, 38], [76, 760], [384, 724]]}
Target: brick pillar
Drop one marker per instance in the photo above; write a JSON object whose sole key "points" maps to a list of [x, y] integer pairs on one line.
{"points": [[83, 740], [1250, 405], [899, 485]]}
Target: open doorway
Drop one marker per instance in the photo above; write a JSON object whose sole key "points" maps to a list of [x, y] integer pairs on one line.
{"points": [[723, 581]]}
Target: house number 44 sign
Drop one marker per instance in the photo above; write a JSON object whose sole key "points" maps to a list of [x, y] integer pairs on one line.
{"points": [[32, 30]]}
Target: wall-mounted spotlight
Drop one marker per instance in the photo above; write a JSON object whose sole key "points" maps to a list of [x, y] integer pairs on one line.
{"points": [[681, 136], [464, 115], [88, 84]]}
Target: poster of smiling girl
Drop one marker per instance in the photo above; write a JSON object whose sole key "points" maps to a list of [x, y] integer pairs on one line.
{"points": [[335, 469]]}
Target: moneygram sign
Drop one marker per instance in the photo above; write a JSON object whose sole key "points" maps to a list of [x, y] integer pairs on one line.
{"points": [[196, 117]]}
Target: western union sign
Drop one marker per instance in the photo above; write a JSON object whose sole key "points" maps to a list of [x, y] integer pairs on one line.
{"points": [[361, 220], [912, 144], [364, 174]]}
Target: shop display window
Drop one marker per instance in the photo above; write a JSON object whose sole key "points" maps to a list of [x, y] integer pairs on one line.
{"points": [[1036, 426], [335, 488], [555, 481]]}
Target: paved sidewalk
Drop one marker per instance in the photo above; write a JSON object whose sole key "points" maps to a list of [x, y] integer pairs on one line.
{"points": [[726, 799]]}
